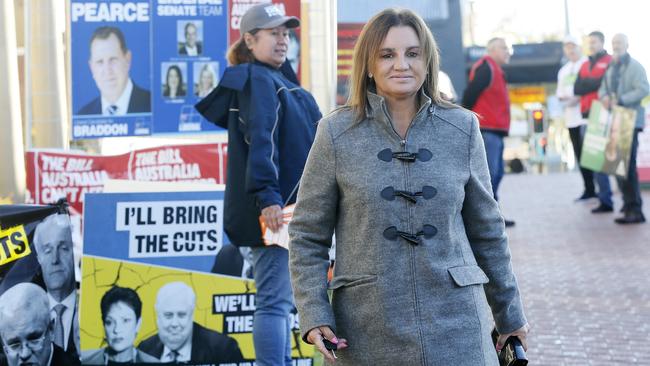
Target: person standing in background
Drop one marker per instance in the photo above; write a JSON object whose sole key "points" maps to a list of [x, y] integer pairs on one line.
{"points": [[586, 86], [566, 79], [626, 84], [271, 124], [487, 95]]}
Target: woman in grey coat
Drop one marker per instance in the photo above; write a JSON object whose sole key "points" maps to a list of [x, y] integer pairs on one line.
{"points": [[421, 251]]}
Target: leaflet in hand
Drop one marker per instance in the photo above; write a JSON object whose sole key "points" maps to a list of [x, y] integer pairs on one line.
{"points": [[281, 237]]}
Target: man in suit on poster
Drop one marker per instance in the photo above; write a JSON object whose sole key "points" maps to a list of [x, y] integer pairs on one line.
{"points": [[110, 63], [179, 338], [53, 244], [26, 329], [192, 45]]}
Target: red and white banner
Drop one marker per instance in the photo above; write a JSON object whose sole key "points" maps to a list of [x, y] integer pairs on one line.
{"points": [[289, 7], [239, 7], [52, 175], [643, 153]]}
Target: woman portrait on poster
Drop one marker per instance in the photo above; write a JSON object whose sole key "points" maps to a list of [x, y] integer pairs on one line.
{"points": [[121, 310], [206, 82], [421, 249], [174, 86]]}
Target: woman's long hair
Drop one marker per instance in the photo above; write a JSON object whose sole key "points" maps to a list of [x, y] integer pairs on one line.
{"points": [[366, 52], [180, 91], [238, 53]]}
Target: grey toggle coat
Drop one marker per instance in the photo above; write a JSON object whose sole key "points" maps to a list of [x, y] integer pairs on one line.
{"points": [[421, 248]]}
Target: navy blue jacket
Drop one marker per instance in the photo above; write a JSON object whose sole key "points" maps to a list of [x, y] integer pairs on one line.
{"points": [[271, 124]]}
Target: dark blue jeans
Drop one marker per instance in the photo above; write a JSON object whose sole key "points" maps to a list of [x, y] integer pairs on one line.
{"points": [[604, 190], [273, 303], [494, 152]]}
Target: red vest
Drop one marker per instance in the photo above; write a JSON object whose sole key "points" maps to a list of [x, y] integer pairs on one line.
{"points": [[597, 72], [493, 105]]}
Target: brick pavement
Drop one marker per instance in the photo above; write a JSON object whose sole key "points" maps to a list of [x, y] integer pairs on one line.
{"points": [[585, 280]]}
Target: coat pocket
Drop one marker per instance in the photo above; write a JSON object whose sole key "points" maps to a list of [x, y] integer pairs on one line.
{"points": [[468, 275], [351, 281]]}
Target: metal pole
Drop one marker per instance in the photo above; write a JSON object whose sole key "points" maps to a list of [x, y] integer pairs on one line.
{"points": [[567, 28], [27, 59]]}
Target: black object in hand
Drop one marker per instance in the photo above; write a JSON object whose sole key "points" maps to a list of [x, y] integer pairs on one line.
{"points": [[329, 345], [512, 353]]}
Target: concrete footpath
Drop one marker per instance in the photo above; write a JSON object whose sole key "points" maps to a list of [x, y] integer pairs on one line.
{"points": [[585, 280]]}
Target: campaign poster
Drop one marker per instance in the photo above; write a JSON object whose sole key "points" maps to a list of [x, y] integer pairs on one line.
{"points": [[167, 252], [52, 175], [643, 152], [190, 40], [608, 140], [111, 68], [37, 284], [288, 7]]}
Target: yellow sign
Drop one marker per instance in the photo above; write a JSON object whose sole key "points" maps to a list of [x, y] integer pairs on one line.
{"points": [[13, 244], [223, 304], [527, 94]]}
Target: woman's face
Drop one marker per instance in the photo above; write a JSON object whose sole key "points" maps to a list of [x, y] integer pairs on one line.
{"points": [[399, 68], [121, 327], [269, 46], [207, 81], [173, 79]]}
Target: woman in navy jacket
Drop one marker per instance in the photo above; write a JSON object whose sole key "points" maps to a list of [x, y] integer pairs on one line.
{"points": [[271, 124]]}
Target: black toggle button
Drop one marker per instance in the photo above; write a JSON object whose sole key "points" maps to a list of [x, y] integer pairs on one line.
{"points": [[385, 155], [428, 192], [428, 231], [405, 156], [389, 194], [424, 155], [388, 155]]}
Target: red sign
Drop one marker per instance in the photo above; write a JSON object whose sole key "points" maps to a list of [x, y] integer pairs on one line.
{"points": [[52, 175], [239, 7], [348, 33], [289, 7]]}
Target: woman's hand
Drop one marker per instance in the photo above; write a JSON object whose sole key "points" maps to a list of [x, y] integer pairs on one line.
{"points": [[316, 335], [272, 217], [520, 333]]}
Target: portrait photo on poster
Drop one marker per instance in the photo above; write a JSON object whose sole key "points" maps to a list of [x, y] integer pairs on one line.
{"points": [[34, 328], [205, 77], [189, 35], [54, 252], [179, 337], [121, 313], [174, 79], [110, 61], [38, 298]]}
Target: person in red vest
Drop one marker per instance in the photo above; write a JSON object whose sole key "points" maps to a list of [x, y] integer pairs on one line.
{"points": [[487, 95], [586, 86]]}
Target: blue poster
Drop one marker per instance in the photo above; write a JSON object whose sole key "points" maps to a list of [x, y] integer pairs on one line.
{"points": [[190, 41], [139, 66], [111, 68], [181, 230]]}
